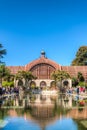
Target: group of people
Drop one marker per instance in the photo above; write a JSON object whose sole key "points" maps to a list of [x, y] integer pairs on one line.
{"points": [[8, 90], [77, 90], [80, 90]]}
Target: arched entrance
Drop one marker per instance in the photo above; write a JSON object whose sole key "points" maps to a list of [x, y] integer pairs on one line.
{"points": [[65, 83], [32, 84], [43, 84], [20, 83], [52, 85]]}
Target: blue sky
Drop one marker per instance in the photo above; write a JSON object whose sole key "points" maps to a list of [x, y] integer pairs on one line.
{"points": [[59, 27]]}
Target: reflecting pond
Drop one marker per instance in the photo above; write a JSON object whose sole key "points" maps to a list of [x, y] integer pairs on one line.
{"points": [[39, 112]]}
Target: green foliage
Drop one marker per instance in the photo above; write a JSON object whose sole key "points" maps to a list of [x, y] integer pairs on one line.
{"points": [[2, 52], [6, 83], [80, 77], [11, 83], [79, 80], [86, 84], [60, 75], [26, 75], [4, 71], [82, 84], [74, 81], [81, 57]]}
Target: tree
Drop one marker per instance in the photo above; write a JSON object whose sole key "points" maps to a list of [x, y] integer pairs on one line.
{"points": [[8, 80], [26, 75], [2, 52], [58, 76], [6, 83], [81, 57], [3, 73], [78, 80], [80, 77], [74, 81]]}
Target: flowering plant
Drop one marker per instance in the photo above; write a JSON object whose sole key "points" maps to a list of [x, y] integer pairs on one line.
{"points": [[82, 103]]}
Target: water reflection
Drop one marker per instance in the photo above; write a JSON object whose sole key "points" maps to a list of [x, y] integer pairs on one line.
{"points": [[39, 112], [20, 124], [65, 123]]}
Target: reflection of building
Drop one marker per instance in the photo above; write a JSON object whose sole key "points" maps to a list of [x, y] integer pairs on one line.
{"points": [[43, 67]]}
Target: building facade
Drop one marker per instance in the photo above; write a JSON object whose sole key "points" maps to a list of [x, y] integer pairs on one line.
{"points": [[42, 69]]}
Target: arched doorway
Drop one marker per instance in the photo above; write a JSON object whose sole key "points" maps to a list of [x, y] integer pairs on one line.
{"points": [[32, 84], [43, 84], [52, 85], [20, 83], [65, 83]]}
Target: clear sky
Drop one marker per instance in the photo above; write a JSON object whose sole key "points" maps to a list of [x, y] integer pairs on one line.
{"points": [[59, 27]]}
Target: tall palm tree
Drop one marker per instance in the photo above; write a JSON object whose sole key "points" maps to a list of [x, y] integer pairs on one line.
{"points": [[26, 75], [58, 76], [2, 52]]}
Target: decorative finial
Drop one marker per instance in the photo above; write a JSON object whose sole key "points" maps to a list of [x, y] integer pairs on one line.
{"points": [[42, 53]]}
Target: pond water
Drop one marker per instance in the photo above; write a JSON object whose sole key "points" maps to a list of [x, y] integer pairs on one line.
{"points": [[37, 112]]}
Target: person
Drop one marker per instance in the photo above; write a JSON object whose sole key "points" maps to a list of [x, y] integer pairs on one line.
{"points": [[0, 90], [78, 90], [84, 89]]}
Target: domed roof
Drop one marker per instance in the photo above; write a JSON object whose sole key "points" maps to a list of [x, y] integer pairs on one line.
{"points": [[42, 60]]}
